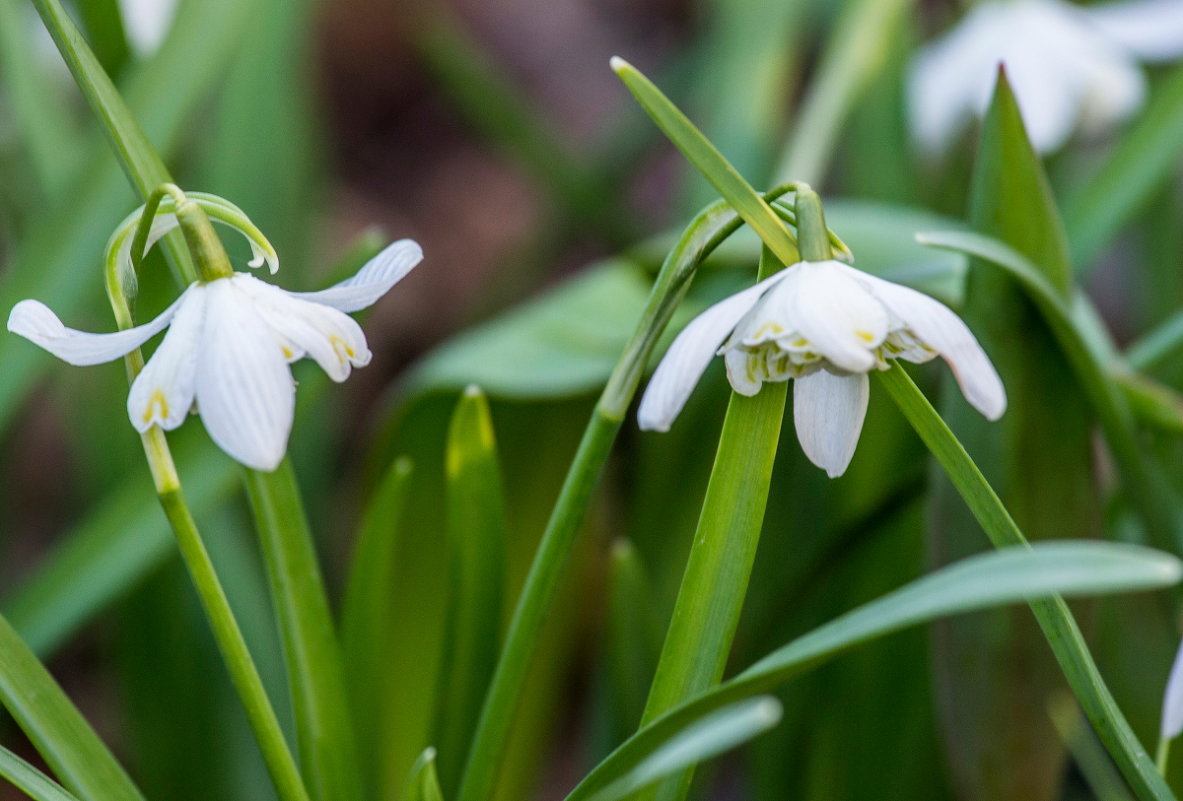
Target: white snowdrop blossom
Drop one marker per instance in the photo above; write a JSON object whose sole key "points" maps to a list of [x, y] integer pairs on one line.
{"points": [[826, 325], [228, 348], [1172, 702], [1069, 66]]}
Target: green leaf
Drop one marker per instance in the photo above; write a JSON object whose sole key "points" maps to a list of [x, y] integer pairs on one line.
{"points": [[103, 22], [1011, 575], [703, 155], [1054, 617], [29, 780], [1073, 324], [57, 730], [1104, 202], [707, 737], [316, 678], [476, 535], [371, 600], [424, 784], [633, 636]]}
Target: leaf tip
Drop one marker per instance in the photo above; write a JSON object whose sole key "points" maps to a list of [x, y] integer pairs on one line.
{"points": [[619, 65]]}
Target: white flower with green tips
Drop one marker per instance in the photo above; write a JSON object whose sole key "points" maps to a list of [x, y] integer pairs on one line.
{"points": [[229, 345], [826, 325]]}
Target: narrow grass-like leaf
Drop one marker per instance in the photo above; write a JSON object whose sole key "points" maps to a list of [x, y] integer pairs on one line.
{"points": [[106, 32], [424, 784], [703, 155], [1141, 481], [57, 730], [371, 599], [1158, 345], [857, 51], [1104, 202], [1094, 764], [476, 533], [30, 781], [707, 737], [1054, 617], [1012, 575], [316, 677]]}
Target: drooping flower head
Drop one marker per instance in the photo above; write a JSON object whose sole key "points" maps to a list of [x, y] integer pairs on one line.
{"points": [[827, 325], [229, 345], [1070, 66]]}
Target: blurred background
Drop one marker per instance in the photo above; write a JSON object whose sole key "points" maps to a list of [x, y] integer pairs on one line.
{"points": [[495, 135]]}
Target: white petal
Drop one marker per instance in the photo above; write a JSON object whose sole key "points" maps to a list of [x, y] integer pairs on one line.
{"points": [[372, 281], [1151, 29], [1172, 702], [245, 392], [35, 322], [841, 320], [163, 392], [938, 327], [744, 372], [331, 337], [772, 317], [689, 355], [828, 411]]}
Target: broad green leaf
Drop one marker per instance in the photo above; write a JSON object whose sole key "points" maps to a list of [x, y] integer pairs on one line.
{"points": [[57, 730], [1011, 575], [1102, 203], [316, 679], [1071, 323], [1047, 424], [30, 781], [424, 784], [707, 737], [476, 537], [704, 156], [632, 636], [370, 602], [1056, 620]]}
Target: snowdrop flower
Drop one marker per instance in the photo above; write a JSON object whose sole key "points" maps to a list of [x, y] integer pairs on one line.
{"points": [[228, 347], [1068, 65], [146, 23], [1172, 702], [826, 325]]}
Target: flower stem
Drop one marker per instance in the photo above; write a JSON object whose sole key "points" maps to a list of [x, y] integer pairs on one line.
{"points": [[1054, 617], [278, 757], [710, 228]]}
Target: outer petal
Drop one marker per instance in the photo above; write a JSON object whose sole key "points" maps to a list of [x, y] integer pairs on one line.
{"points": [[828, 411], [372, 281], [1151, 29], [245, 392], [1172, 702], [331, 337], [163, 392], [689, 355], [35, 322], [942, 330], [839, 317], [744, 371]]}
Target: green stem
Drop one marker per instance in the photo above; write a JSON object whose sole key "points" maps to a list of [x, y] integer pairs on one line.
{"points": [[313, 656], [710, 228], [1162, 755], [1054, 617], [284, 772]]}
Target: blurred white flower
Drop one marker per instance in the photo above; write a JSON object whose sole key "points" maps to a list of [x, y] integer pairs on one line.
{"points": [[1070, 66], [146, 22], [1172, 702], [827, 325], [228, 348]]}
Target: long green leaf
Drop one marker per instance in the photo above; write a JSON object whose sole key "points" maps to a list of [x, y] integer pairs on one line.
{"points": [[316, 677], [476, 534], [1102, 203], [1012, 575], [29, 780], [424, 784], [633, 636], [1054, 617], [703, 155], [371, 600], [1068, 320], [707, 737], [57, 730]]}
